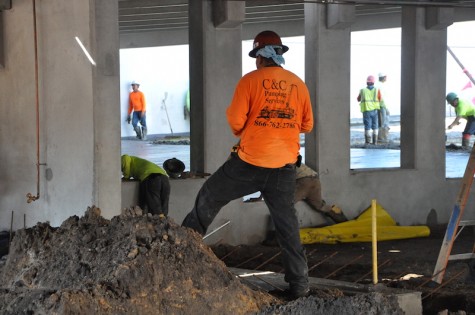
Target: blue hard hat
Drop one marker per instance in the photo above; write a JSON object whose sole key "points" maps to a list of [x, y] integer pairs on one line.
{"points": [[451, 97]]}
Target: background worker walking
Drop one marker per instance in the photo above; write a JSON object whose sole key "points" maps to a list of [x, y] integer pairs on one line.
{"points": [[369, 99], [154, 188], [137, 105], [466, 110], [270, 108], [383, 109]]}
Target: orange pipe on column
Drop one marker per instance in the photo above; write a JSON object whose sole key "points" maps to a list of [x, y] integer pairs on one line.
{"points": [[30, 197]]}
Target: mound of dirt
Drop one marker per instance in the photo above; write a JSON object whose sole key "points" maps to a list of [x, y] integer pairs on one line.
{"points": [[131, 264], [371, 303]]}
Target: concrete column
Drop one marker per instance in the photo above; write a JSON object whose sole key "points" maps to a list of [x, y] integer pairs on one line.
{"points": [[327, 74], [215, 68], [422, 93], [107, 173]]}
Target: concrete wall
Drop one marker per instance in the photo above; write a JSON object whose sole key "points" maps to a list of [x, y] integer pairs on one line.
{"points": [[77, 145], [248, 221], [410, 193], [66, 160]]}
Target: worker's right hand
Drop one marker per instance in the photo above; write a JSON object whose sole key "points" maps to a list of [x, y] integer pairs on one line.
{"points": [[129, 119]]}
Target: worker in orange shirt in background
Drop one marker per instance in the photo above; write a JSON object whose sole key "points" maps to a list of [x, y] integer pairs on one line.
{"points": [[270, 108], [137, 105]]}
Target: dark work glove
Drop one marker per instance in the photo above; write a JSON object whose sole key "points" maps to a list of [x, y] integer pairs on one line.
{"points": [[129, 119]]}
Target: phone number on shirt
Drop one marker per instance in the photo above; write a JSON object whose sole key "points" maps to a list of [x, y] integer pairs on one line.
{"points": [[274, 124]]}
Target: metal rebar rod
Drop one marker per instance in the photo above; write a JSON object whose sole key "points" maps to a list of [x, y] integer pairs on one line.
{"points": [[322, 261], [217, 229], [271, 284], [369, 272], [268, 260], [252, 258], [443, 284], [344, 266], [313, 251], [429, 280], [229, 254], [248, 282]]}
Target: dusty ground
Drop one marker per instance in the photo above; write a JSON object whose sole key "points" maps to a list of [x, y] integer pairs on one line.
{"points": [[141, 264]]}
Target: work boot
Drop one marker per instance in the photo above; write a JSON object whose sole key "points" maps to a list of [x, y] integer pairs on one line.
{"points": [[465, 143], [138, 131], [367, 136], [375, 137], [380, 135], [336, 214], [383, 135], [289, 294], [144, 133], [386, 134]]}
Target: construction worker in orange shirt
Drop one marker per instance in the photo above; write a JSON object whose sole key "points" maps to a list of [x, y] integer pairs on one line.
{"points": [[270, 108], [137, 105]]}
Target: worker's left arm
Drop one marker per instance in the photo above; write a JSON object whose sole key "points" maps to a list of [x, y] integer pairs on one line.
{"points": [[144, 104], [307, 114], [455, 122], [238, 110], [125, 161]]}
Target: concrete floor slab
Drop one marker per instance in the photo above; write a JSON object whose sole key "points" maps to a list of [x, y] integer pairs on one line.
{"points": [[360, 158]]}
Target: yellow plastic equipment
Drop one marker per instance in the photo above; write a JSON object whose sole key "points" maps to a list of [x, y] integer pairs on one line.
{"points": [[359, 230]]}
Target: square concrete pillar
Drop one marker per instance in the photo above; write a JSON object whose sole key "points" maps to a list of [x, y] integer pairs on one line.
{"points": [[340, 16], [5, 4], [439, 18], [327, 65], [422, 93], [228, 14], [215, 68]]}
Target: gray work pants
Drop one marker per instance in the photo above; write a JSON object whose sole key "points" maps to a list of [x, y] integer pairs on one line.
{"points": [[235, 179]]}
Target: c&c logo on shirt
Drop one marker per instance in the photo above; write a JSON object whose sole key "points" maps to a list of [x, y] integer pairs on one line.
{"points": [[274, 85]]}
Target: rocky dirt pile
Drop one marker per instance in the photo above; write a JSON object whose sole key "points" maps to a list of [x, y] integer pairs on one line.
{"points": [[372, 303], [131, 264], [141, 264]]}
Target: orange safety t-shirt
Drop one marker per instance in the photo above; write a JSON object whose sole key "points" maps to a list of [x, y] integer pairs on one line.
{"points": [[270, 108], [136, 102]]}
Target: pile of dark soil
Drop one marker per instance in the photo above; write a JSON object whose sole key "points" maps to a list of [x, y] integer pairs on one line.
{"points": [[132, 264], [372, 303], [143, 264]]}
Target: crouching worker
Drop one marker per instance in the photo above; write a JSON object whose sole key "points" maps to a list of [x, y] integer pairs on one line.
{"points": [[309, 189], [154, 189]]}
